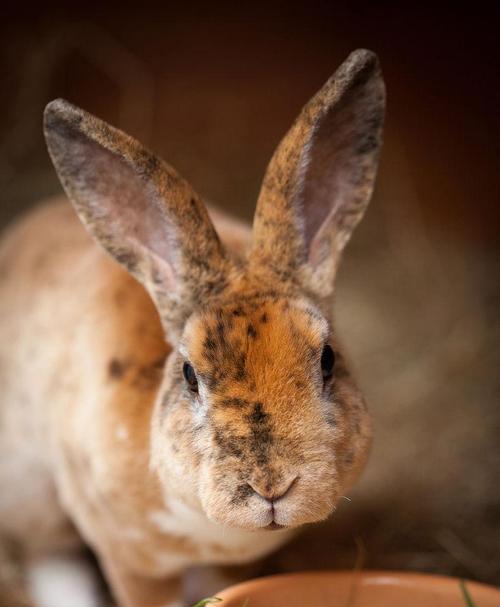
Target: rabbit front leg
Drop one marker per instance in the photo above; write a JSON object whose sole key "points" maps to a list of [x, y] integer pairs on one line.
{"points": [[135, 590]]}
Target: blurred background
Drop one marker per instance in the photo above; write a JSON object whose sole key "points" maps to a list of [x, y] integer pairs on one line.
{"points": [[212, 89]]}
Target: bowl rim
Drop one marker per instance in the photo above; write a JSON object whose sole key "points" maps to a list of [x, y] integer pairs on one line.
{"points": [[364, 577]]}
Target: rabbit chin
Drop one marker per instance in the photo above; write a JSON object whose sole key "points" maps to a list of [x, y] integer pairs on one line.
{"points": [[258, 514]]}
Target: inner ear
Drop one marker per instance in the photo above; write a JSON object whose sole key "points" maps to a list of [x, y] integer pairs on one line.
{"points": [[321, 176], [127, 205], [116, 200], [335, 178]]}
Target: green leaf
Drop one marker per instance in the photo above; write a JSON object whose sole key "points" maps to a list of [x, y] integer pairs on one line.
{"points": [[208, 601], [467, 597]]}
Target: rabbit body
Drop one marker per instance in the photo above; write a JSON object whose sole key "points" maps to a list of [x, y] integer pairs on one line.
{"points": [[84, 343], [183, 405]]}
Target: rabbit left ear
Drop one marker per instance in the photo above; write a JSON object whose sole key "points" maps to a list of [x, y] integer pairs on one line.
{"points": [[139, 209], [320, 179]]}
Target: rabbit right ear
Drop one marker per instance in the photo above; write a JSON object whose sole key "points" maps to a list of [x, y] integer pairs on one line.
{"points": [[139, 209], [321, 177]]}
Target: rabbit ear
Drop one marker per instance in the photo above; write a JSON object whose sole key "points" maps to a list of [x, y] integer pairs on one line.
{"points": [[321, 177], [138, 208]]}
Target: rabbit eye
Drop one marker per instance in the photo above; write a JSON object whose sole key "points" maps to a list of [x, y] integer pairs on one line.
{"points": [[327, 362], [190, 377]]}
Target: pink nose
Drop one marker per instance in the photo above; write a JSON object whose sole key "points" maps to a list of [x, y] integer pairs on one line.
{"points": [[269, 493]]}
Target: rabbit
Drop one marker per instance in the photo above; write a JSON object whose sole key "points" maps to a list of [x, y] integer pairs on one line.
{"points": [[176, 394]]}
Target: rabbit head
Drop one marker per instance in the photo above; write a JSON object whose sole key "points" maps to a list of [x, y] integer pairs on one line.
{"points": [[257, 422]]}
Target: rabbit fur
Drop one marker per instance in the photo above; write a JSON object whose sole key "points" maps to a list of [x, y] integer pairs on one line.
{"points": [[101, 437]]}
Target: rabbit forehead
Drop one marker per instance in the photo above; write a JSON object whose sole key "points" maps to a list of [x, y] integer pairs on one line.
{"points": [[245, 345]]}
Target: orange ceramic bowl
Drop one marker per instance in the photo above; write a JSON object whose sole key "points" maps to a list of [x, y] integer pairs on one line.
{"points": [[352, 589]]}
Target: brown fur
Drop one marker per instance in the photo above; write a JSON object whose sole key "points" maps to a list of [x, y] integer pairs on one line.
{"points": [[153, 476]]}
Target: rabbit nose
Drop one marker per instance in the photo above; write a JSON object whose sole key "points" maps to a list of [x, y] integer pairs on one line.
{"points": [[272, 494]]}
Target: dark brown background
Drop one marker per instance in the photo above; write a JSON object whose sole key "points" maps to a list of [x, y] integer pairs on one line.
{"points": [[418, 292]]}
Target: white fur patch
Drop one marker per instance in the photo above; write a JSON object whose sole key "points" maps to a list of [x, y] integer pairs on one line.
{"points": [[63, 581]]}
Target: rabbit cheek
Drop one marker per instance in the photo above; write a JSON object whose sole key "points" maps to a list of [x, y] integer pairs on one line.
{"points": [[346, 413], [353, 450], [177, 444]]}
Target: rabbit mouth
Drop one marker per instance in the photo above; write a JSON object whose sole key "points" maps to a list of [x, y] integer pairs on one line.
{"points": [[274, 526]]}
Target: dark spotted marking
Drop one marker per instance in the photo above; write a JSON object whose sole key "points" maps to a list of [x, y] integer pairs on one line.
{"points": [[258, 415], [214, 287], [240, 374], [116, 368], [228, 445], [251, 331], [214, 378], [158, 277], [209, 344], [221, 330], [242, 493], [261, 438], [127, 259], [349, 458], [263, 318], [223, 353], [147, 163]]}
